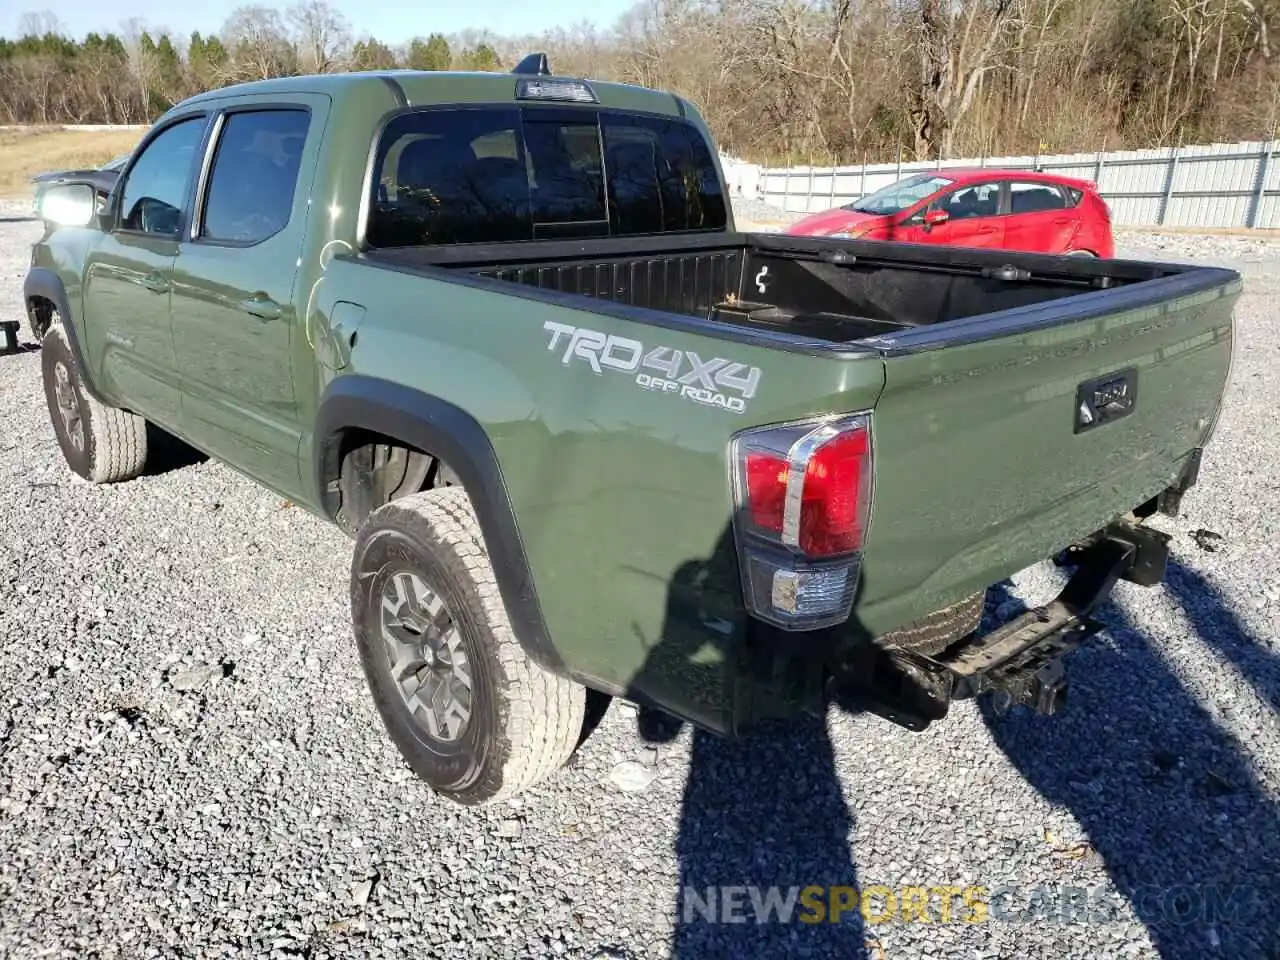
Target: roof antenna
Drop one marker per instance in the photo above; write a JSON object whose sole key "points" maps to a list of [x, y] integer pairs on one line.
{"points": [[535, 64]]}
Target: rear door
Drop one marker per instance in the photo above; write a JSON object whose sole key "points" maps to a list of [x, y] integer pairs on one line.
{"points": [[985, 461], [972, 218], [1040, 219], [236, 324]]}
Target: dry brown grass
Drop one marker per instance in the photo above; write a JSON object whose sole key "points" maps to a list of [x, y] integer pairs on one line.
{"points": [[35, 150]]}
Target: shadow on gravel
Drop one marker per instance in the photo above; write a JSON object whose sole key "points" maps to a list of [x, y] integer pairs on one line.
{"points": [[1214, 623], [166, 453], [763, 817], [1168, 798]]}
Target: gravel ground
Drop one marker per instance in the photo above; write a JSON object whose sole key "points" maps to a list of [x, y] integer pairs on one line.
{"points": [[190, 765]]}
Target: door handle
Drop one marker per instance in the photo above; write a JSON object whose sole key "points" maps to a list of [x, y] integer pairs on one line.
{"points": [[261, 306], [156, 283], [987, 229]]}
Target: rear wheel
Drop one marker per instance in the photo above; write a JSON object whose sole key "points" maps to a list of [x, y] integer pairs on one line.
{"points": [[468, 710], [101, 443]]}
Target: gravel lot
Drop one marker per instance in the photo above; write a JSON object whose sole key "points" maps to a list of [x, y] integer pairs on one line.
{"points": [[190, 765]]}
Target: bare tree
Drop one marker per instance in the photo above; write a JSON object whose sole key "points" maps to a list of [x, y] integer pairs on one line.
{"points": [[141, 61], [42, 24], [322, 36], [1041, 13], [958, 41], [258, 43], [1257, 15]]}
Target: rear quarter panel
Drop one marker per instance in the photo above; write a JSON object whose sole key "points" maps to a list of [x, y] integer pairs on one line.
{"points": [[1096, 234], [621, 494]]}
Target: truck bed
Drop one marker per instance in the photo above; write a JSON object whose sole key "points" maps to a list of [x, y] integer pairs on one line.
{"points": [[1020, 402], [834, 292]]}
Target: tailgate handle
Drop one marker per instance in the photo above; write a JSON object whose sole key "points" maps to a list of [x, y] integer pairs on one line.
{"points": [[1105, 399]]}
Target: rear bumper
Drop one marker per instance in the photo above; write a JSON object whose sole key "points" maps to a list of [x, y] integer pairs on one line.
{"points": [[1020, 662]]}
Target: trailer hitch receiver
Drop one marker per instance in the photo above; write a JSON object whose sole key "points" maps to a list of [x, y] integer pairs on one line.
{"points": [[1020, 662]]}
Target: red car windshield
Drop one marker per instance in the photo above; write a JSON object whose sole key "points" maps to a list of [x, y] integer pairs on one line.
{"points": [[899, 195]]}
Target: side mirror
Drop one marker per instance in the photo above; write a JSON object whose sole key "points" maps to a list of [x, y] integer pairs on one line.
{"points": [[935, 218], [69, 205]]}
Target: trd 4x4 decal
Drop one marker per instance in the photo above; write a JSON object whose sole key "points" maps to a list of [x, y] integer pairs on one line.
{"points": [[715, 382]]}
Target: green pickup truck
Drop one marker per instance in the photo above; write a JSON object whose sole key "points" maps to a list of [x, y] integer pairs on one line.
{"points": [[589, 439]]}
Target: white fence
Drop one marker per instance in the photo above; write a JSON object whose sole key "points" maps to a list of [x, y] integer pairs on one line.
{"points": [[1216, 185]]}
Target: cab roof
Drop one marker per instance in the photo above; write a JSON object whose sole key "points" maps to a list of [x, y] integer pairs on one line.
{"points": [[425, 87]]}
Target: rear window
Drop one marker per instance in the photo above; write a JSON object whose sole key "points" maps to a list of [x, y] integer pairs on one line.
{"points": [[1034, 197], [504, 174]]}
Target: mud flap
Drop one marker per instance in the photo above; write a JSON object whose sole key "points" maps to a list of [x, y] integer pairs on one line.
{"points": [[9, 330]]}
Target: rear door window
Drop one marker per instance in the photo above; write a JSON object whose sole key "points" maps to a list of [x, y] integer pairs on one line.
{"points": [[255, 175], [1035, 197], [504, 174]]}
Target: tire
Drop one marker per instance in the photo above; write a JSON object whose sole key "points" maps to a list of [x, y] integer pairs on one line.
{"points": [[421, 580], [934, 633], [101, 443]]}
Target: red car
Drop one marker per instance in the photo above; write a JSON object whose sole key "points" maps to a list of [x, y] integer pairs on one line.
{"points": [[1003, 209]]}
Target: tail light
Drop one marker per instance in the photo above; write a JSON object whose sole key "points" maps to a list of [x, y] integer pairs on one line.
{"points": [[802, 499]]}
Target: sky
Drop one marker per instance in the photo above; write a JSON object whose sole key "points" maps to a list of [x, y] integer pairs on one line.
{"points": [[391, 21]]}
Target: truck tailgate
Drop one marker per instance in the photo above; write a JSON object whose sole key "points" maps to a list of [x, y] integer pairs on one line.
{"points": [[985, 460]]}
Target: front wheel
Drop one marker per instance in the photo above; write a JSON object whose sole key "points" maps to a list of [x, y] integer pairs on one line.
{"points": [[469, 711], [100, 443]]}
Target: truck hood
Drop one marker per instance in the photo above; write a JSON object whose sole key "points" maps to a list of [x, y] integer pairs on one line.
{"points": [[102, 180]]}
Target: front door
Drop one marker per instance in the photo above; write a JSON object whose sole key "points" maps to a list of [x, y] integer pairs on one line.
{"points": [[235, 320], [973, 219], [128, 275]]}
